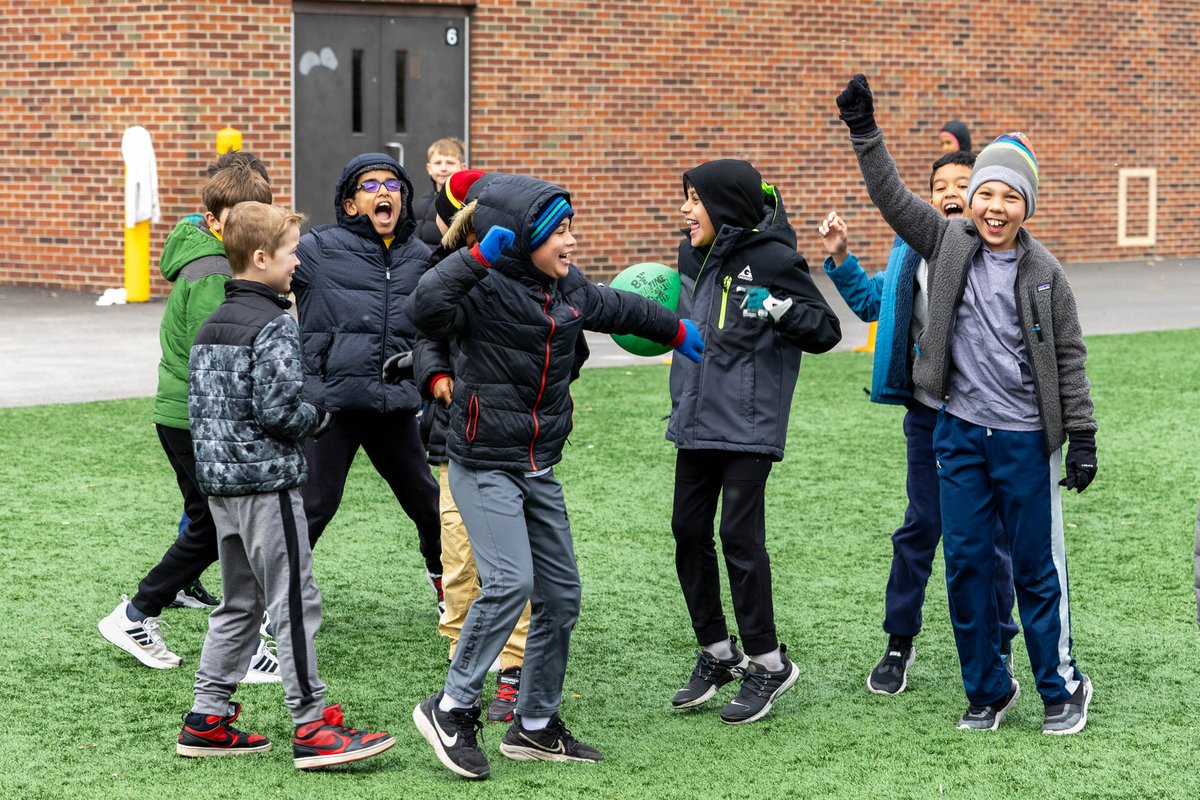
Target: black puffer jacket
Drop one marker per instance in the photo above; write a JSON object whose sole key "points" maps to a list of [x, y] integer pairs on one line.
{"points": [[517, 332], [350, 291], [739, 396], [248, 418]]}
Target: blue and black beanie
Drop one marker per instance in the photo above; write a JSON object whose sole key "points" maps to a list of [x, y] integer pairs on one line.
{"points": [[548, 218]]}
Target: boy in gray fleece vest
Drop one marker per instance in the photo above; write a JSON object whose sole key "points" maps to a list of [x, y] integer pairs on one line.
{"points": [[1004, 354]]}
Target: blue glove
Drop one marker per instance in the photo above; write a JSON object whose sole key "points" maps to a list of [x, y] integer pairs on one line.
{"points": [[497, 240], [692, 345], [760, 303]]}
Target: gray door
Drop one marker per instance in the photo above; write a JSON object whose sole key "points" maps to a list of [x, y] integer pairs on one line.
{"points": [[392, 84]]}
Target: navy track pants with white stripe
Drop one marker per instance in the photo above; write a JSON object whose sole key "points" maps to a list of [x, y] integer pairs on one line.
{"points": [[984, 473]]}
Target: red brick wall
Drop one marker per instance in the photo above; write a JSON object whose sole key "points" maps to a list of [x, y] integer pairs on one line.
{"points": [[76, 75], [613, 99]]}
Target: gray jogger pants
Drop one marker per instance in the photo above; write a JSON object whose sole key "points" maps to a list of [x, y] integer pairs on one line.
{"points": [[266, 562], [521, 538]]}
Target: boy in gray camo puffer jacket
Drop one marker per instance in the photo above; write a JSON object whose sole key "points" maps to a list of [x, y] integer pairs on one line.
{"points": [[249, 422]]}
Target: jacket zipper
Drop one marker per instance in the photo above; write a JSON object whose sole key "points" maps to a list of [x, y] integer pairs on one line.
{"points": [[1037, 320], [962, 287], [1037, 388], [542, 387], [725, 284], [387, 301]]}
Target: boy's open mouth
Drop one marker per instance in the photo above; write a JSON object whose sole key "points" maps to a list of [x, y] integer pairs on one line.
{"points": [[952, 209], [383, 212], [693, 227], [995, 226]]}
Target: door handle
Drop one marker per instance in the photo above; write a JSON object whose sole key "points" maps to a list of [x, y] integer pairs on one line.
{"points": [[396, 151]]}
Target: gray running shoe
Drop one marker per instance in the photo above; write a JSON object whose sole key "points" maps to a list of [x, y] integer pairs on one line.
{"points": [[760, 689], [709, 675], [1071, 716], [988, 718]]}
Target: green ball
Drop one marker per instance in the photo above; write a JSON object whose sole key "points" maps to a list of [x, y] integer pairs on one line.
{"points": [[656, 282]]}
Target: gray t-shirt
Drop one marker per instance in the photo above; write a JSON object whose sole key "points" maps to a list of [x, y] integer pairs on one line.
{"points": [[991, 383]]}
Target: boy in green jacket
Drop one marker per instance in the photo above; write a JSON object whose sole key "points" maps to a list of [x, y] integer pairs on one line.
{"points": [[194, 261]]}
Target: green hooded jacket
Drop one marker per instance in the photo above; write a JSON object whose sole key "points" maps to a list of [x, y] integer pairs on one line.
{"points": [[194, 260]]}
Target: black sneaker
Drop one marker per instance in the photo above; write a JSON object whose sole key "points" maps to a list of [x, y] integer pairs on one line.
{"points": [[552, 743], [508, 686], [988, 718], [890, 675], [760, 689], [1069, 717], [452, 735], [194, 596], [210, 735], [709, 675]]}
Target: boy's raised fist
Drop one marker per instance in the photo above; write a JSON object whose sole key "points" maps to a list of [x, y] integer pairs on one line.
{"points": [[856, 106]]}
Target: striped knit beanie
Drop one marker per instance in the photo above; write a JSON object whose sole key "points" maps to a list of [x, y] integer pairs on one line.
{"points": [[547, 219], [450, 199], [1009, 159]]}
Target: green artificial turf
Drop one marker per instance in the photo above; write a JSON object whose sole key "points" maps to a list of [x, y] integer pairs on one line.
{"points": [[88, 504]]}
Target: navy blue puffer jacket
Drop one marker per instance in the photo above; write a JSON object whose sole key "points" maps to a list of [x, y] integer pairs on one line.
{"points": [[350, 291]]}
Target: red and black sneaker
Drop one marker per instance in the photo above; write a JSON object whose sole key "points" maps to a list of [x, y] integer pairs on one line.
{"points": [[435, 581], [327, 741], [508, 686], [211, 735]]}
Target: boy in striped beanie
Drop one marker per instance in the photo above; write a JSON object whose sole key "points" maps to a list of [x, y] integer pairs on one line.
{"points": [[1003, 352]]}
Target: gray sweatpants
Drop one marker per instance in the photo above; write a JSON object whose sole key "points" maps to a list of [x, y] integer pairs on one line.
{"points": [[266, 562], [521, 537]]}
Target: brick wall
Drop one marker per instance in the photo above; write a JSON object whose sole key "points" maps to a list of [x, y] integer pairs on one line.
{"points": [[613, 99], [77, 74]]}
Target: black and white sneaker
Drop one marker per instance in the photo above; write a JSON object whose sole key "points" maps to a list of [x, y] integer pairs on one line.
{"points": [[760, 689], [452, 735], [552, 743], [195, 596], [709, 675], [988, 718], [890, 675], [142, 640]]}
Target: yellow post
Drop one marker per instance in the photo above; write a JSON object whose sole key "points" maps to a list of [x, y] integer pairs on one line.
{"points": [[228, 139], [137, 262], [869, 347]]}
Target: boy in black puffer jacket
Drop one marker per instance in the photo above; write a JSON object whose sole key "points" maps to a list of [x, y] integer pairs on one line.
{"points": [[516, 316], [751, 294], [350, 287]]}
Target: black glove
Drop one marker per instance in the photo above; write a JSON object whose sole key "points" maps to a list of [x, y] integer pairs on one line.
{"points": [[398, 367], [1081, 461], [323, 425], [856, 106]]}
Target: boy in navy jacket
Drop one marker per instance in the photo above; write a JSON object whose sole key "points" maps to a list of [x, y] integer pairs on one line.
{"points": [[758, 309]]}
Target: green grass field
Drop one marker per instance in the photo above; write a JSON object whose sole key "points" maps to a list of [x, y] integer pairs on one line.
{"points": [[88, 504]]}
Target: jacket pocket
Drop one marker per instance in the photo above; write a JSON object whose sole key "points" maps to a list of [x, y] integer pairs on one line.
{"points": [[472, 418], [747, 384]]}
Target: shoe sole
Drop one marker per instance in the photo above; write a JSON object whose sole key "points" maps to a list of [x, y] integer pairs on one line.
{"points": [[255, 676], [519, 753], [426, 728], [713, 689], [783, 687], [187, 751], [333, 759], [1001, 713], [115, 636], [184, 601], [912, 656], [1078, 726]]}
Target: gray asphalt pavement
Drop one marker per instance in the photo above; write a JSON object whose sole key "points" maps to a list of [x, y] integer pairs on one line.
{"points": [[59, 347]]}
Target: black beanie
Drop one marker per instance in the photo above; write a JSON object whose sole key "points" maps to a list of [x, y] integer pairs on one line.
{"points": [[958, 129]]}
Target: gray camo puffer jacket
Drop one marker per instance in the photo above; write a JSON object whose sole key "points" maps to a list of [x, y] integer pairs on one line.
{"points": [[248, 418]]}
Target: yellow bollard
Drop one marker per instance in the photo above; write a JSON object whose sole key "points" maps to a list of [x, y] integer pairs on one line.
{"points": [[869, 347], [228, 139], [137, 263]]}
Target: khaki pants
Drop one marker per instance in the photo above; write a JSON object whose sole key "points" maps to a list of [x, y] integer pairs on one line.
{"points": [[460, 581]]}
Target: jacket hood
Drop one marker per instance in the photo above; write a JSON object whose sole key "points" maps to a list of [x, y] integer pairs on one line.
{"points": [[731, 191], [190, 240], [361, 224], [514, 201], [772, 226]]}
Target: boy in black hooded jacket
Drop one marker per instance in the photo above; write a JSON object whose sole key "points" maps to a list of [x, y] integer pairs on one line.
{"points": [[750, 293]]}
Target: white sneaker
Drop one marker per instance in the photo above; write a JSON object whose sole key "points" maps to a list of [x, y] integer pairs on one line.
{"points": [[264, 667], [140, 639]]}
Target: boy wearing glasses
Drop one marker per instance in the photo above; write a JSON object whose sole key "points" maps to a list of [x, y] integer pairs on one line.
{"points": [[353, 280]]}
